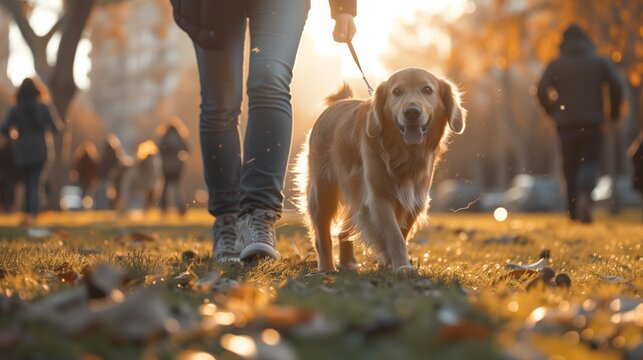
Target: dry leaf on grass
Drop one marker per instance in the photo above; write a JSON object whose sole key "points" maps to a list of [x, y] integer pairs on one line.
{"points": [[463, 330], [141, 316], [538, 265], [286, 316], [104, 279]]}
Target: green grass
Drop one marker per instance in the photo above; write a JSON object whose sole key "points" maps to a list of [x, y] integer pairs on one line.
{"points": [[459, 304]]}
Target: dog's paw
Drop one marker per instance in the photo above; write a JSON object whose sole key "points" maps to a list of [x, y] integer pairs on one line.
{"points": [[405, 270], [348, 265]]}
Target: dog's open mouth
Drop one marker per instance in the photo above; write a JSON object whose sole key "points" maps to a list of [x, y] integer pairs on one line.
{"points": [[413, 134]]}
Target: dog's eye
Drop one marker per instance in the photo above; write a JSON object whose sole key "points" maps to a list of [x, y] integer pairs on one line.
{"points": [[397, 92], [427, 90]]}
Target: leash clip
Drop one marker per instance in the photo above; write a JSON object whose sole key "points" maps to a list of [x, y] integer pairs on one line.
{"points": [[352, 50]]}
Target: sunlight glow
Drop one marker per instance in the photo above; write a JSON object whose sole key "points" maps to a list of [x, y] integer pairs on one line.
{"points": [[500, 214], [375, 24], [239, 344]]}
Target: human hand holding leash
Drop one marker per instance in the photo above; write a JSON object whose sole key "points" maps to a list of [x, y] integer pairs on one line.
{"points": [[344, 28]]}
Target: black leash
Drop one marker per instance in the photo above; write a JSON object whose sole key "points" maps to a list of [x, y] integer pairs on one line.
{"points": [[352, 49]]}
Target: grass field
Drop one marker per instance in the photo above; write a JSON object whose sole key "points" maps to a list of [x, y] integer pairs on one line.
{"points": [[92, 286]]}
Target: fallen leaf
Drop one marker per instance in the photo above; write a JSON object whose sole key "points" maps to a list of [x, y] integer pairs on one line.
{"points": [[68, 276], [141, 237], [286, 316], [208, 280], [86, 251], [613, 279], [141, 316], [538, 265], [104, 279], [463, 330], [507, 239]]}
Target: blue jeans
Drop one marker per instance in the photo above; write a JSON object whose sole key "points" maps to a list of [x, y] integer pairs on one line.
{"points": [[235, 184]]}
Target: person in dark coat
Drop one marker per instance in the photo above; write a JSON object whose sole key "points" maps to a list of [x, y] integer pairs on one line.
{"points": [[85, 170], [26, 124], [9, 175], [173, 149], [571, 92], [113, 163], [245, 193], [636, 154]]}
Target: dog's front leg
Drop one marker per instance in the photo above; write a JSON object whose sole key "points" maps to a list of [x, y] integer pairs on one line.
{"points": [[386, 232]]}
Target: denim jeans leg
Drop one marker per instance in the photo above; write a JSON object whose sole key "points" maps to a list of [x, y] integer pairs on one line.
{"points": [[221, 80], [275, 32]]}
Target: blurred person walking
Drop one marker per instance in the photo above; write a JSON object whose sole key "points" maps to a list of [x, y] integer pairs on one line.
{"points": [[9, 176], [245, 194], [173, 149], [85, 171], [571, 92], [26, 124], [636, 154], [113, 163]]}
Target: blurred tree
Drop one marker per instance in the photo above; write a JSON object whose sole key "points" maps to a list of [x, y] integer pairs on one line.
{"points": [[57, 76]]}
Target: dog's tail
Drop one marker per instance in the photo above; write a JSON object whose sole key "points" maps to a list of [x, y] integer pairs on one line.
{"points": [[344, 92]]}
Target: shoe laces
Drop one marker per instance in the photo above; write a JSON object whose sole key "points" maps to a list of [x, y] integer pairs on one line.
{"points": [[225, 235], [262, 226]]}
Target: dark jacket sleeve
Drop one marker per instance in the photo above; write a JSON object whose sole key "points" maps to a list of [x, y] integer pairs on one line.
{"points": [[9, 122], [342, 6], [546, 82], [48, 119], [616, 91]]}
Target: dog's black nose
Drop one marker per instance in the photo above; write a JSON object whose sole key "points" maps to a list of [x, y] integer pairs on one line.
{"points": [[412, 112]]}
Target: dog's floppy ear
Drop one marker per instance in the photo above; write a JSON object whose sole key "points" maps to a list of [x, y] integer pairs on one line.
{"points": [[376, 114], [453, 110]]}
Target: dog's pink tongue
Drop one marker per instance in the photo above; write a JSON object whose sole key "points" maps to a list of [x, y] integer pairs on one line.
{"points": [[413, 135]]}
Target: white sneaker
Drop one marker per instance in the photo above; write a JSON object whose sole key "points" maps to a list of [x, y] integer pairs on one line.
{"points": [[256, 238]]}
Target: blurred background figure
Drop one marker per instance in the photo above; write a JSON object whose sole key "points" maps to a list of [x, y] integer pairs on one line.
{"points": [[112, 166], [571, 92], [85, 172], [27, 124], [141, 180], [636, 154], [173, 149], [9, 176]]}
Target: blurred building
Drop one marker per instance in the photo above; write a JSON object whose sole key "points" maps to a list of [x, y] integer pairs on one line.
{"points": [[138, 57]]}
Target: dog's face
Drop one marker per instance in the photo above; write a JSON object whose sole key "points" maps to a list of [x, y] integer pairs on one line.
{"points": [[416, 103]]}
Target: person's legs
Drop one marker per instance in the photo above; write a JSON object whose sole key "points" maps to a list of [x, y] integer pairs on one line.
{"points": [[220, 75], [571, 163], [221, 79], [275, 32], [589, 145], [32, 188], [164, 194]]}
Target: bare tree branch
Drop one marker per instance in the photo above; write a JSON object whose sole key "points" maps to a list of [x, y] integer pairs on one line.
{"points": [[47, 37], [37, 44]]}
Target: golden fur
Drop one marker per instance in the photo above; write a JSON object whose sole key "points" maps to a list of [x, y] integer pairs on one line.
{"points": [[369, 171]]}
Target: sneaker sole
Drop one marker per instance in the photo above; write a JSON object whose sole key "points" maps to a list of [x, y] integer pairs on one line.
{"points": [[257, 251]]}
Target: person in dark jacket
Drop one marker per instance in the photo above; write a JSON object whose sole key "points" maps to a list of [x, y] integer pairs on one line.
{"points": [[245, 193], [9, 175], [636, 154], [571, 92], [173, 149], [85, 171], [113, 163], [26, 124]]}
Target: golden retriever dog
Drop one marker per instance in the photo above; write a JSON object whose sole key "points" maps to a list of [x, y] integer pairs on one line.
{"points": [[368, 166]]}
